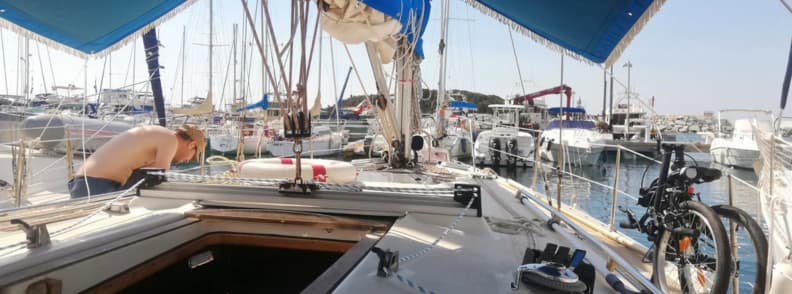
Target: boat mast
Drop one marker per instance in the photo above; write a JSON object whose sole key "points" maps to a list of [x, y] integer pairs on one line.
{"points": [[441, 84], [628, 65], [211, 14], [26, 67], [184, 35], [2, 46], [234, 57]]}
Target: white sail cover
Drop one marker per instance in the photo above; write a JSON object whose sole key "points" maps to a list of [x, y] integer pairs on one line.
{"points": [[353, 22]]}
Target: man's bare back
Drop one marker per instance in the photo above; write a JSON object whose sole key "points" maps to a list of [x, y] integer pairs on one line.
{"points": [[147, 146]]}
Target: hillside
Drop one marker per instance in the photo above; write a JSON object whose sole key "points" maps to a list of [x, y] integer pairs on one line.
{"points": [[429, 100]]}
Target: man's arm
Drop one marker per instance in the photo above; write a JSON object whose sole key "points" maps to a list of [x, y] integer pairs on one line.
{"points": [[166, 149]]}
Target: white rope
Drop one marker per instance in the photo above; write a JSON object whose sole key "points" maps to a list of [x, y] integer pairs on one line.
{"points": [[98, 210]]}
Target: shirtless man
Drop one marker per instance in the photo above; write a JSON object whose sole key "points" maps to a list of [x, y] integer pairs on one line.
{"points": [[111, 167]]}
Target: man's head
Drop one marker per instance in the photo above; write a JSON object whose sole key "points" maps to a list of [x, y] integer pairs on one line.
{"points": [[191, 142]]}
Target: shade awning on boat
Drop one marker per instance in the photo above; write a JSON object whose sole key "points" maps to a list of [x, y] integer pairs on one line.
{"points": [[597, 31], [85, 27], [555, 110], [463, 104]]}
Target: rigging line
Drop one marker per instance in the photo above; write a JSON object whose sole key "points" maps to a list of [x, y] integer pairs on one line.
{"points": [[290, 46], [41, 67], [470, 46], [516, 60], [332, 65], [82, 133], [247, 85], [313, 42], [225, 81], [101, 78], [789, 8], [52, 69], [271, 34], [2, 46], [178, 70], [129, 66], [264, 63]]}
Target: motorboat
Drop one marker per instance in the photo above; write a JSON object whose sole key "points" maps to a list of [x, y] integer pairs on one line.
{"points": [[504, 144], [575, 139], [739, 148]]}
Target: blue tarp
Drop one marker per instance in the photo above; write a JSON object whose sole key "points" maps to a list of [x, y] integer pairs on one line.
{"points": [[555, 110], [591, 29], [571, 124], [263, 104], [463, 104], [88, 26], [407, 12]]}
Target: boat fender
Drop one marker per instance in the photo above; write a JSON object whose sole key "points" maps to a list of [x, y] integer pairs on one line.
{"points": [[549, 143], [463, 145], [417, 143], [320, 170]]}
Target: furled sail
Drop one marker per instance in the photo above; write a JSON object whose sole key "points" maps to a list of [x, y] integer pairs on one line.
{"points": [[204, 108], [377, 21]]}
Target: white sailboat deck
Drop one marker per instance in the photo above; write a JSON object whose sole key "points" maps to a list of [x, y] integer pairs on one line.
{"points": [[404, 211]]}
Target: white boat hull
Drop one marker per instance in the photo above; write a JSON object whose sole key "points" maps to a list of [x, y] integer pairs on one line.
{"points": [[484, 153], [743, 158], [52, 131], [326, 145], [734, 152], [582, 147]]}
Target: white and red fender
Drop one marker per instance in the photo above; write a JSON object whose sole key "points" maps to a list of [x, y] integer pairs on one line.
{"points": [[320, 170]]}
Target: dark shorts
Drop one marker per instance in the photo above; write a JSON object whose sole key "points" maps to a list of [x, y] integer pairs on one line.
{"points": [[77, 187]]}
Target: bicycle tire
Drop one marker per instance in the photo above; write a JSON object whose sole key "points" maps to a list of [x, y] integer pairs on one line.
{"points": [[758, 239], [722, 260]]}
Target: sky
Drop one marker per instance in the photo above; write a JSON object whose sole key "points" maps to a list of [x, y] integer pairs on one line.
{"points": [[692, 56]]}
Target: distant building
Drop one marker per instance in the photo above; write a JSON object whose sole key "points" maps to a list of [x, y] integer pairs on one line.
{"points": [[709, 114]]}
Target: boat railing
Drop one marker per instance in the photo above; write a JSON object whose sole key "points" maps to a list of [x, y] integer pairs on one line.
{"points": [[615, 193]]}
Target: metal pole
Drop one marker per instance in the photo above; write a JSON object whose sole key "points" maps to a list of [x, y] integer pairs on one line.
{"points": [[560, 139], [184, 34], [234, 54], [733, 241], [615, 191], [610, 109], [536, 161], [627, 118], [69, 156], [604, 91], [211, 33], [2, 47]]}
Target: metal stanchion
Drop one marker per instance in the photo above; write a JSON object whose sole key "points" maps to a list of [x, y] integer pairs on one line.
{"points": [[615, 191], [733, 240]]}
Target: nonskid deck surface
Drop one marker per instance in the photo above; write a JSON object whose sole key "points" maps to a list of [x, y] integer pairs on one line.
{"points": [[421, 203]]}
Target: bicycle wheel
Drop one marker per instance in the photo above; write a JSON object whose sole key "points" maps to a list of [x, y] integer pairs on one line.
{"points": [[695, 259], [758, 240]]}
